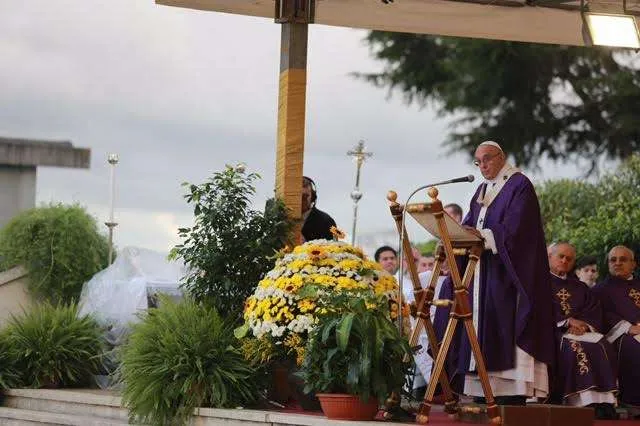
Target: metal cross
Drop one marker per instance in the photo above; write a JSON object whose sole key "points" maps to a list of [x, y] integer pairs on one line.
{"points": [[360, 155]]}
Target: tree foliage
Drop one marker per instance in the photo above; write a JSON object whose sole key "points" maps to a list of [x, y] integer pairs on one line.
{"points": [[230, 246], [427, 248], [594, 216], [536, 100], [60, 246]]}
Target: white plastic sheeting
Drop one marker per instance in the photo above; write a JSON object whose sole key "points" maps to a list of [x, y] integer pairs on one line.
{"points": [[115, 295]]}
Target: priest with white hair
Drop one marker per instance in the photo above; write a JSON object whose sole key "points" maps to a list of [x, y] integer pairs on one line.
{"points": [[511, 291]]}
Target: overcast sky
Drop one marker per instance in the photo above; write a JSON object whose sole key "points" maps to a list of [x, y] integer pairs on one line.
{"points": [[179, 93]]}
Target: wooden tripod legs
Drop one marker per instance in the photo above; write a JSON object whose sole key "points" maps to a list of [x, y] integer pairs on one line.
{"points": [[461, 311]]}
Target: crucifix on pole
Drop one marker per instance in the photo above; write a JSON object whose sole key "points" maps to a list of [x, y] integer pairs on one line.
{"points": [[360, 155]]}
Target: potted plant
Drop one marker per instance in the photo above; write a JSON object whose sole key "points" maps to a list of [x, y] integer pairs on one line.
{"points": [[287, 302], [354, 358]]}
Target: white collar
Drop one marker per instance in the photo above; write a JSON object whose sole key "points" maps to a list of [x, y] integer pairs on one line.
{"points": [[487, 196], [558, 276]]}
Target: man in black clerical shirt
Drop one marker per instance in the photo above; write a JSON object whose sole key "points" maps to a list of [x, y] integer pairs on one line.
{"points": [[316, 223]]}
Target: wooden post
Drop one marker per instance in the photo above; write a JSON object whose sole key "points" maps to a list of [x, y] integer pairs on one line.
{"points": [[291, 117]]}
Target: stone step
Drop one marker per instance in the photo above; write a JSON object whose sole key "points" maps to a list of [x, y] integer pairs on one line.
{"points": [[92, 403], [90, 407], [16, 416]]}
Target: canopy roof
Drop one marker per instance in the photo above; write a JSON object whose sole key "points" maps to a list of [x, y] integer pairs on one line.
{"points": [[498, 19]]}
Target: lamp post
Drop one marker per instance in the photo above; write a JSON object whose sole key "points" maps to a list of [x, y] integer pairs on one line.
{"points": [[112, 159], [360, 155]]}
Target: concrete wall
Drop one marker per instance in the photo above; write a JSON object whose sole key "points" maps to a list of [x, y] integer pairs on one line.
{"points": [[18, 161], [13, 293], [17, 191]]}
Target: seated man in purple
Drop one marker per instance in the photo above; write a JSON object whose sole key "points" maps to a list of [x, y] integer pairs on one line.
{"points": [[620, 297], [585, 372]]}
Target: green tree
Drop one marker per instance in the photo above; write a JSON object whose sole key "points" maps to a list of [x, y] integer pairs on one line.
{"points": [[537, 100], [230, 247], [60, 246], [595, 216]]}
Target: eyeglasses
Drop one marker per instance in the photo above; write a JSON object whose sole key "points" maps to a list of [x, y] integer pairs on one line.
{"points": [[485, 159], [622, 259]]}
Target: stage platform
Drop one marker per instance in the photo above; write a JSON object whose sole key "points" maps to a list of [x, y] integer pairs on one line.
{"points": [[92, 407]]}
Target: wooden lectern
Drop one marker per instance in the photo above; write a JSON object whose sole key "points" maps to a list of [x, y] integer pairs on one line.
{"points": [[454, 240]]}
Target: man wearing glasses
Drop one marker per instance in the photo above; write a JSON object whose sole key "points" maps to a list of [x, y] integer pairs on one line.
{"points": [[511, 290], [620, 297]]}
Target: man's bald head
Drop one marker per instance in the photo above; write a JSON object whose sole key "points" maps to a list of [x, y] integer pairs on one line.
{"points": [[490, 159], [621, 261]]}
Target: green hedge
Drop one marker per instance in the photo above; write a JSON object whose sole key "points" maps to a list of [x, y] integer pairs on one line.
{"points": [[59, 245], [595, 216]]}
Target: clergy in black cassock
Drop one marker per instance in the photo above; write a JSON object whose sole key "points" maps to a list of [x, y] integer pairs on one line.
{"points": [[585, 373], [316, 223], [620, 297]]}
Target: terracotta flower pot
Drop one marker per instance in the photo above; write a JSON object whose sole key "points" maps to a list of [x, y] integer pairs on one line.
{"points": [[340, 406]]}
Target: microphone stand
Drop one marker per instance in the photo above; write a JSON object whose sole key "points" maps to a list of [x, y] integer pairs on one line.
{"points": [[469, 178]]}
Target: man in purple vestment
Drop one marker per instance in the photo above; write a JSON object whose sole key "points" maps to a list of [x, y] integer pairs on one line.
{"points": [[511, 291], [586, 368], [620, 297]]}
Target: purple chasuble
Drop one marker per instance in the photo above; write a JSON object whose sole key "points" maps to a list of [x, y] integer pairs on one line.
{"points": [[515, 289], [581, 365], [621, 302]]}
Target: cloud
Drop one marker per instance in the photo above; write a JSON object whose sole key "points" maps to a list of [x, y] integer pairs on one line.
{"points": [[178, 94]]}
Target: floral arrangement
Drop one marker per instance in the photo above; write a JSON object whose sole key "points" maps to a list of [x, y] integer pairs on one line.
{"points": [[287, 302]]}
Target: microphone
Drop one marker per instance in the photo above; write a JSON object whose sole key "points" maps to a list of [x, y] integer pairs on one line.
{"points": [[469, 178]]}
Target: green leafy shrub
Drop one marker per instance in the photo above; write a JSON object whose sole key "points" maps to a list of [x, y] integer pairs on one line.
{"points": [[59, 245], [183, 356], [356, 350], [9, 377], [229, 247], [595, 216], [51, 346]]}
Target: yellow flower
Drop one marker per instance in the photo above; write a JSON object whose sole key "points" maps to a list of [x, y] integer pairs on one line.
{"points": [[293, 340], [349, 265], [265, 283], [337, 233], [316, 253], [306, 305], [345, 283], [370, 305], [299, 356], [297, 265]]}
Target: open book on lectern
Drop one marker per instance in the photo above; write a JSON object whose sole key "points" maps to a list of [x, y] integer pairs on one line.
{"points": [[423, 214]]}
